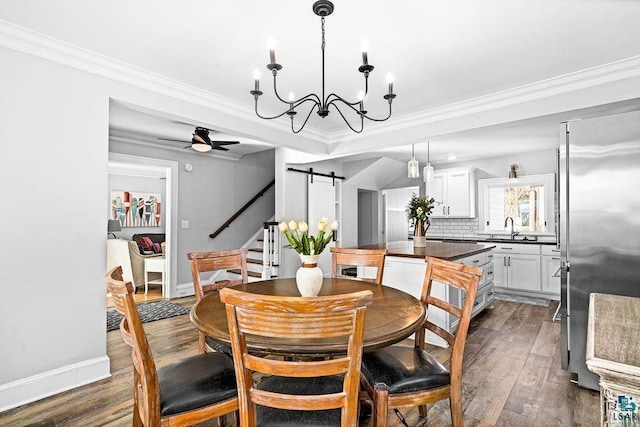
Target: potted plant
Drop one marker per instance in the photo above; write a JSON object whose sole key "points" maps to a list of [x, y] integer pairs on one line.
{"points": [[418, 210]]}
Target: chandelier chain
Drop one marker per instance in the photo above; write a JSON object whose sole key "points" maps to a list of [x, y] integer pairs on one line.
{"points": [[323, 44]]}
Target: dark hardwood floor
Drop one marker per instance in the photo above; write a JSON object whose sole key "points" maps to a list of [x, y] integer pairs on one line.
{"points": [[512, 377]]}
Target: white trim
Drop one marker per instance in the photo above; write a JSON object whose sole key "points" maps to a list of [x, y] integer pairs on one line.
{"points": [[591, 77], [32, 43], [36, 387]]}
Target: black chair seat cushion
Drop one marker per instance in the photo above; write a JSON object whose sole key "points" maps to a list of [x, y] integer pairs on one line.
{"points": [[404, 369], [196, 382], [271, 417], [218, 346]]}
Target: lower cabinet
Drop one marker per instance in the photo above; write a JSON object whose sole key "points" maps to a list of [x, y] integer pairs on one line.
{"points": [[527, 269], [407, 274]]}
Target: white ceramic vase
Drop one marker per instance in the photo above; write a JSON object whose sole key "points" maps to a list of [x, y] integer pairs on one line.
{"points": [[309, 276]]}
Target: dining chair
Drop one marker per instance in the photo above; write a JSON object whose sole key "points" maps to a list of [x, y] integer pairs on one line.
{"points": [[293, 392], [209, 262], [187, 392], [407, 376], [342, 258]]}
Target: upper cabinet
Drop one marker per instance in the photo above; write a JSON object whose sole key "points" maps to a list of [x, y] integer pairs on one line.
{"points": [[455, 193]]}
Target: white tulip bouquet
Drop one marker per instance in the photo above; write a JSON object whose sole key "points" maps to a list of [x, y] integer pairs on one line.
{"points": [[297, 234]]}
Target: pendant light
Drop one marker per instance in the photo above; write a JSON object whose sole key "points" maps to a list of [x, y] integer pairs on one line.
{"points": [[413, 168], [428, 170]]}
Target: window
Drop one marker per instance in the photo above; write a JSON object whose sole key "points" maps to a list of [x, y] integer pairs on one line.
{"points": [[528, 201]]}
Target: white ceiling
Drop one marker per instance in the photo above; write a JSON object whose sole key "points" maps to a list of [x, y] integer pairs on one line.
{"points": [[443, 54]]}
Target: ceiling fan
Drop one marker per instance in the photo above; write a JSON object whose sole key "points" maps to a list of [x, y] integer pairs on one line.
{"points": [[202, 143]]}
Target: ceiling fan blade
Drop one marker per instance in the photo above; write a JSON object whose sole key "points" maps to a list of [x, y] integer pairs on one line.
{"points": [[174, 140], [225, 142], [217, 147]]}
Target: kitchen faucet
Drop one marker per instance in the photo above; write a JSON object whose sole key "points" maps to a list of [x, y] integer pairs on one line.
{"points": [[513, 233]]}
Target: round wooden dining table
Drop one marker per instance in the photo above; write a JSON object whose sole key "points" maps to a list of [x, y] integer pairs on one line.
{"points": [[393, 316]]}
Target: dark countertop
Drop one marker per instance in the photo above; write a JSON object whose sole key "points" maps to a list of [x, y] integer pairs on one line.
{"points": [[528, 241], [450, 251]]}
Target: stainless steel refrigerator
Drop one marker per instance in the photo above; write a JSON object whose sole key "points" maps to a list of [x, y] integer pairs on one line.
{"points": [[599, 224]]}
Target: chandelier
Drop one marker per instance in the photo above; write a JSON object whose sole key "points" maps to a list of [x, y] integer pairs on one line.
{"points": [[323, 8]]}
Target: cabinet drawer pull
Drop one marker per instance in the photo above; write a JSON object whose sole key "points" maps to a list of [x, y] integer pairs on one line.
{"points": [[555, 258], [489, 273], [476, 303], [475, 261], [506, 249], [490, 293]]}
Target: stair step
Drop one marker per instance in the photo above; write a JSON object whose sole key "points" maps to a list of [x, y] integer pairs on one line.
{"points": [[254, 261], [249, 272]]}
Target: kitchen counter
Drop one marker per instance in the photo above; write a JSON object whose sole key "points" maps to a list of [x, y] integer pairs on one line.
{"points": [[528, 241], [449, 251]]}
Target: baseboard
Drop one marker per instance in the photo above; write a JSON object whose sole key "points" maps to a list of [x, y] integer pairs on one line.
{"points": [[184, 290], [36, 387]]}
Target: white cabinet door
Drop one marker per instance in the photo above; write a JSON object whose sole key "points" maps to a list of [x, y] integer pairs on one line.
{"points": [[524, 272], [436, 189], [500, 272], [458, 194], [550, 282], [454, 191]]}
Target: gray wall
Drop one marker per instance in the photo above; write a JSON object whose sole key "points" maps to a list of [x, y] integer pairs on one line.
{"points": [[210, 194]]}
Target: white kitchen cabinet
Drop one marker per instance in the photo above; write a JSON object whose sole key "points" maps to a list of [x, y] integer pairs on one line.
{"points": [[517, 267], [551, 270], [455, 193]]}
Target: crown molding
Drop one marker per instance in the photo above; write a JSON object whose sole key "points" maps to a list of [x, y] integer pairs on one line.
{"points": [[628, 68], [26, 41], [36, 44]]}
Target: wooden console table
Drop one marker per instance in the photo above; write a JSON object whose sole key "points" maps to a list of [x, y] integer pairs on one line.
{"points": [[613, 352]]}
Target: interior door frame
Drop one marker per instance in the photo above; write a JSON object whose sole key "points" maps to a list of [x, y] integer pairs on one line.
{"points": [[170, 170]]}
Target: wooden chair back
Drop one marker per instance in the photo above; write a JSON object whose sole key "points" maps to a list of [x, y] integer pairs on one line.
{"points": [[300, 318], [145, 378], [150, 399], [460, 276], [203, 262], [341, 257]]}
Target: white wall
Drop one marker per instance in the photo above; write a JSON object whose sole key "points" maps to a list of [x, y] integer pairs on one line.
{"points": [[54, 147]]}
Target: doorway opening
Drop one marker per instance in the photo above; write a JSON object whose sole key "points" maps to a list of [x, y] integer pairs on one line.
{"points": [[165, 171]]}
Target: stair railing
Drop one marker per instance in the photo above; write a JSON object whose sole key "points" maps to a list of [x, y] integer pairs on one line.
{"points": [[242, 209], [270, 249]]}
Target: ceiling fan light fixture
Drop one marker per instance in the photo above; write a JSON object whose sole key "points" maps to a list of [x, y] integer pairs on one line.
{"points": [[201, 147]]}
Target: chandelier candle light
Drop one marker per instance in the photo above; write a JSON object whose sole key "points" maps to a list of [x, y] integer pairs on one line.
{"points": [[309, 248], [323, 8]]}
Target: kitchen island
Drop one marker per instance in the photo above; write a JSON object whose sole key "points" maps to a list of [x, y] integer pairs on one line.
{"points": [[404, 269], [450, 251]]}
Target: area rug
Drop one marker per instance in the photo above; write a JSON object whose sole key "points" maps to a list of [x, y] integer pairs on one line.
{"points": [[149, 312]]}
